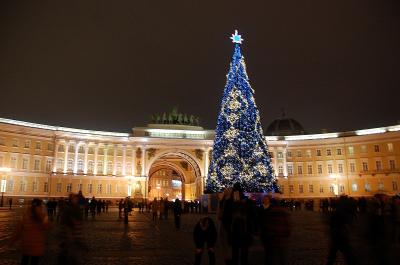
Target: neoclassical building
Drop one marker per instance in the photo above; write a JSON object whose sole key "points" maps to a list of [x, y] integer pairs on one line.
{"points": [[169, 160]]}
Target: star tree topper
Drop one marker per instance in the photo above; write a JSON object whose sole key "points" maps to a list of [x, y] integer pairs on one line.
{"points": [[236, 38]]}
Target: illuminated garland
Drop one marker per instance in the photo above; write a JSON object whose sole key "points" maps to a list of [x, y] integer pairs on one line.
{"points": [[240, 151]]}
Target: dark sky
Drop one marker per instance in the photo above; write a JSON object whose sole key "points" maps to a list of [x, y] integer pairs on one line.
{"points": [[109, 65]]}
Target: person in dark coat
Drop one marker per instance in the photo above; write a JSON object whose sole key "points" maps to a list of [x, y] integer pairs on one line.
{"points": [[274, 226], [205, 233], [177, 213]]}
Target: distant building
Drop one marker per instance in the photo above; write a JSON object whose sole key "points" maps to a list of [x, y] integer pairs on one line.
{"points": [[171, 160]]}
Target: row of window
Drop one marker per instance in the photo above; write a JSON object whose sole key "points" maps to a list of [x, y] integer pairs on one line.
{"points": [[37, 162], [329, 151], [352, 168], [91, 150], [91, 165], [333, 188], [23, 185], [27, 144]]}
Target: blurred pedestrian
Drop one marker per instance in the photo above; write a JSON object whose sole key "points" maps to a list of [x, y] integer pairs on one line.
{"points": [[274, 226], [31, 232], [177, 213], [224, 215], [73, 246], [205, 233], [10, 201]]}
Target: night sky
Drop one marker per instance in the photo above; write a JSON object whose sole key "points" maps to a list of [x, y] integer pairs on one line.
{"points": [[109, 65]]}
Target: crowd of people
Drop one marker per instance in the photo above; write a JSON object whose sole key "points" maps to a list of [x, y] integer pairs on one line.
{"points": [[238, 221]]}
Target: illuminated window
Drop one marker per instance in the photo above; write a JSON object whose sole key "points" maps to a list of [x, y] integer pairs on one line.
{"points": [[376, 148], [351, 150], [319, 169], [290, 169], [119, 168], [109, 188], [354, 187], [70, 164], [89, 188], [46, 187], [27, 144], [280, 155], [110, 167], [22, 186], [289, 153], [309, 169], [352, 167], [299, 170], [34, 186], [58, 187], [392, 165], [50, 147], [80, 165], [341, 188], [99, 188], [328, 152], [367, 187], [280, 169], [321, 189], [14, 143], [363, 149], [298, 153], [340, 168], [378, 165], [49, 163], [38, 145], [99, 167], [318, 152], [365, 166], [13, 162], [81, 149], [25, 162], [90, 166], [310, 188], [381, 187], [60, 148], [390, 147], [330, 171], [36, 165], [339, 151], [10, 185], [300, 188], [308, 153], [332, 189], [69, 187], [60, 164], [394, 185]]}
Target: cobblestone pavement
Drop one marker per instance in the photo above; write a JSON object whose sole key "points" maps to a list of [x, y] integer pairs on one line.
{"points": [[144, 242]]}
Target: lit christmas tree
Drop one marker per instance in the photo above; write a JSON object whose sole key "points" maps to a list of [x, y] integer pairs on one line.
{"points": [[240, 153]]}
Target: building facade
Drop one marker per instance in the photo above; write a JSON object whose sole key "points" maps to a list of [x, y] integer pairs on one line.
{"points": [[172, 161]]}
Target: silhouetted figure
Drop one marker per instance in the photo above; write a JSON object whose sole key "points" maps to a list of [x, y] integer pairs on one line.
{"points": [[166, 208], [31, 231], [275, 230], [10, 201], [339, 222], [120, 208], [224, 218], [177, 213], [204, 234], [73, 246], [93, 206]]}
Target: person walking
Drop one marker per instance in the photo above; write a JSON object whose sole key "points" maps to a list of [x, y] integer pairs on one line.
{"points": [[274, 226], [154, 209], [31, 232], [177, 213], [205, 233]]}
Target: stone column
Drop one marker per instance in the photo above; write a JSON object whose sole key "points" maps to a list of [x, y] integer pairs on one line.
{"points": [[85, 163], [124, 160], [66, 156], [55, 157], [285, 172], [105, 161], [143, 161], [114, 172], [96, 152], [133, 161], [75, 169]]}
